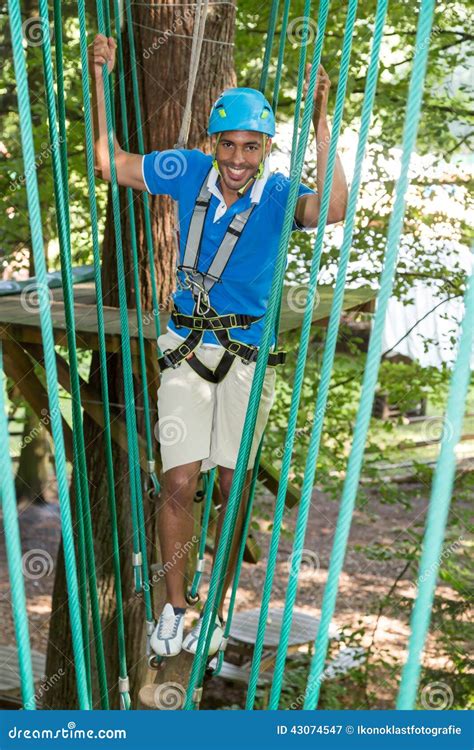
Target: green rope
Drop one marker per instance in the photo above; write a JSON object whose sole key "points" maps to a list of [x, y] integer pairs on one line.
{"points": [[222, 554], [140, 557], [438, 510], [204, 527], [354, 465], [301, 79], [305, 502], [141, 150], [78, 458], [133, 242], [66, 275], [268, 45], [124, 694], [240, 559], [34, 213], [11, 529], [281, 54]]}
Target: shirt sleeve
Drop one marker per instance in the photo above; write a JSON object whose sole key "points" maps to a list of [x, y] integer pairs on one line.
{"points": [[163, 171], [297, 227]]}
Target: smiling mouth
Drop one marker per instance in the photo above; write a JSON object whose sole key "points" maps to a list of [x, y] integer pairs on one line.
{"points": [[236, 174]]}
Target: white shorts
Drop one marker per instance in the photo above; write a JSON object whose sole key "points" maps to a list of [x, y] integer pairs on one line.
{"points": [[202, 421]]}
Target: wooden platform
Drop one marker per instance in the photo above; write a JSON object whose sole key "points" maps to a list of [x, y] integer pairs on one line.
{"points": [[19, 318], [304, 627]]}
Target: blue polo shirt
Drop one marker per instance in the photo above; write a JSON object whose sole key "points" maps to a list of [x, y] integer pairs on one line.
{"points": [[246, 281]]}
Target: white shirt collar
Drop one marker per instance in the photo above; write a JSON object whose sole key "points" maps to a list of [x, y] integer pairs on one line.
{"points": [[256, 190]]}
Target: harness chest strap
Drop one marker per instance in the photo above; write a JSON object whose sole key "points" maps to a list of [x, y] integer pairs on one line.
{"points": [[200, 284]]}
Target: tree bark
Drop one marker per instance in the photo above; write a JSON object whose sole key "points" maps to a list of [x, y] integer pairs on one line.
{"points": [[163, 77]]}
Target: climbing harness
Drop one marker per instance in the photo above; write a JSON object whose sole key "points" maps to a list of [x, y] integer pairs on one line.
{"points": [[204, 316]]}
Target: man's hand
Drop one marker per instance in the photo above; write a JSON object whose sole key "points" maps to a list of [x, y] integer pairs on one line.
{"points": [[100, 52], [321, 93]]}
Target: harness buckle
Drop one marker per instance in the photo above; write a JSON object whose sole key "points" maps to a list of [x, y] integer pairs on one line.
{"points": [[253, 356], [233, 321], [198, 323], [184, 350], [234, 347], [168, 361]]}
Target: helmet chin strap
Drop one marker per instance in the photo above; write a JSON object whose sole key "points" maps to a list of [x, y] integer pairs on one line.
{"points": [[260, 169]]}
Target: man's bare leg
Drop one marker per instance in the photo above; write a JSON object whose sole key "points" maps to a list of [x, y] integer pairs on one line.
{"points": [[225, 482], [176, 526]]}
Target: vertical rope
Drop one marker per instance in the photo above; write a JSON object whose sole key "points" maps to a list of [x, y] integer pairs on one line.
{"points": [[281, 54], [268, 45], [222, 554], [66, 276], [305, 501], [11, 529], [438, 509], [141, 149], [354, 465], [89, 146], [48, 342]]}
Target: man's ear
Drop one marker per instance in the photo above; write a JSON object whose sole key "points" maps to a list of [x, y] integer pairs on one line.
{"points": [[268, 147]]}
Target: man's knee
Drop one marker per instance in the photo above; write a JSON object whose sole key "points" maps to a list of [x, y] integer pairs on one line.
{"points": [[179, 486], [225, 481]]}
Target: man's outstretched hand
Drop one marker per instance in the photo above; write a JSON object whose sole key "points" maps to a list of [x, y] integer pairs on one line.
{"points": [[101, 52], [321, 93]]}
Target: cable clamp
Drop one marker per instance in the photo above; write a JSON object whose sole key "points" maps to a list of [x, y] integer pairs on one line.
{"points": [[124, 685], [224, 642], [150, 467], [200, 566], [136, 559], [150, 626], [197, 695]]}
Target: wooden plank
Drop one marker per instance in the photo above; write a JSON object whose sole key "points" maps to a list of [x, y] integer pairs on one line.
{"points": [[14, 311], [19, 367], [304, 627]]}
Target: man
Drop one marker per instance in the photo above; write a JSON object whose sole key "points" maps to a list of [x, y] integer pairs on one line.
{"points": [[231, 210]]}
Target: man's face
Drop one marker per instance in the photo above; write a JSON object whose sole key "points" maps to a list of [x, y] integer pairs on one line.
{"points": [[239, 152]]}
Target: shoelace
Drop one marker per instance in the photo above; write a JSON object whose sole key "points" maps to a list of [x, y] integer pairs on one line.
{"points": [[168, 626]]}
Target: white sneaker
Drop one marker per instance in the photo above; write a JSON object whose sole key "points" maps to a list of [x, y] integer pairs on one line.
{"points": [[167, 637], [191, 640]]}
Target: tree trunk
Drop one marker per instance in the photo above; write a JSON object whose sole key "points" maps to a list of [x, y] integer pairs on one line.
{"points": [[33, 468], [163, 76]]}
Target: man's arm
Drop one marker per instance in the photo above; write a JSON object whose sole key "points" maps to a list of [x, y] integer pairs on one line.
{"points": [[128, 166], [308, 206]]}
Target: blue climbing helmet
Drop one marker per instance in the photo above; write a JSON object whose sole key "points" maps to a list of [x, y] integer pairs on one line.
{"points": [[242, 109]]}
